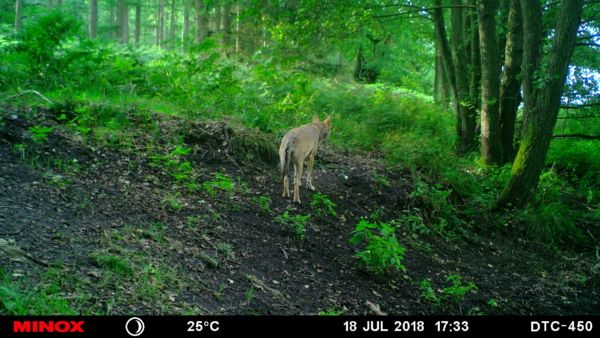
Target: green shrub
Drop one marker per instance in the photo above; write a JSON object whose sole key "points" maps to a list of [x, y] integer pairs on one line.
{"points": [[112, 262], [457, 291], [40, 42], [39, 134], [45, 299], [264, 203], [428, 292], [220, 182], [454, 293], [323, 205], [180, 171], [296, 223], [382, 251]]}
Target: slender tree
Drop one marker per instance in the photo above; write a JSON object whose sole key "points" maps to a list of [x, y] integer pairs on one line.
{"points": [[475, 60], [112, 21], [18, 9], [186, 21], [173, 24], [511, 84], [237, 27], [226, 21], [160, 22], [138, 21], [466, 109], [541, 95], [491, 145], [93, 19], [446, 61], [200, 21], [123, 21], [218, 18], [438, 77]]}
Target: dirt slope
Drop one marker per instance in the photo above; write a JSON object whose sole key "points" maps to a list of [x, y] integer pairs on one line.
{"points": [[104, 220]]}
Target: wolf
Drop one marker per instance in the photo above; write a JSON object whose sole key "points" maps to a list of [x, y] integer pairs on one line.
{"points": [[298, 145]]}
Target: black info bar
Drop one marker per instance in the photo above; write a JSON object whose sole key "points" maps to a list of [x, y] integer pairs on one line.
{"points": [[351, 326]]}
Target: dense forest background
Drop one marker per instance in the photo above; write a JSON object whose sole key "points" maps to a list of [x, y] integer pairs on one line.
{"points": [[471, 124]]}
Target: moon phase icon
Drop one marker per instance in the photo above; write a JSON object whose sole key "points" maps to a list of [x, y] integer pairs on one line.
{"points": [[134, 326]]}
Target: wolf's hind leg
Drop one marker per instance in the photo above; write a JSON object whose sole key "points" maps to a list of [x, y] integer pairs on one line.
{"points": [[299, 166], [309, 172]]}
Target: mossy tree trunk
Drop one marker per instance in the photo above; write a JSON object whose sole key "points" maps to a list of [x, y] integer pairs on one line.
{"points": [[446, 61], [511, 84], [541, 95], [475, 60], [491, 145], [465, 105]]}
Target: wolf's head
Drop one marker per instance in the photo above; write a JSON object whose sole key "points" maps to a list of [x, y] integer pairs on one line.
{"points": [[325, 127]]}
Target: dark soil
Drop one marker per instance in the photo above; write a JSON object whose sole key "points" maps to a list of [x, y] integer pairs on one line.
{"points": [[232, 257]]}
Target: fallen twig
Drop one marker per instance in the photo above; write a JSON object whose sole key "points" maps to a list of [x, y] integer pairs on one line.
{"points": [[375, 308], [30, 91]]}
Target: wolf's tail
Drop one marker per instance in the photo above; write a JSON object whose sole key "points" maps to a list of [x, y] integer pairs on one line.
{"points": [[285, 154]]}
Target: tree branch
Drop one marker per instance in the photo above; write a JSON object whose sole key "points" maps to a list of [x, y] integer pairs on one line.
{"points": [[587, 37], [593, 104], [580, 136], [587, 45], [415, 9], [578, 117], [30, 91]]}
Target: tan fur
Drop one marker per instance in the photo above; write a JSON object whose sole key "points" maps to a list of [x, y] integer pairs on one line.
{"points": [[298, 145]]}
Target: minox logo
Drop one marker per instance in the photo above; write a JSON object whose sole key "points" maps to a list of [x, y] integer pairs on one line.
{"points": [[50, 326]]}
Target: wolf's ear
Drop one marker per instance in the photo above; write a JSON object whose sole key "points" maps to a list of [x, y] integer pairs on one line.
{"points": [[327, 121], [316, 119]]}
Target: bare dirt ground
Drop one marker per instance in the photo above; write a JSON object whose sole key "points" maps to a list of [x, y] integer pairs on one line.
{"points": [[98, 224]]}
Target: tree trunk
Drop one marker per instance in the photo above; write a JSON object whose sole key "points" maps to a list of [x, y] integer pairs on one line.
{"points": [[503, 31], [218, 18], [263, 30], [59, 4], [93, 19], [491, 143], [200, 22], [466, 113], [511, 84], [237, 27], [542, 102], [18, 9], [123, 21], [172, 26], [446, 62], [49, 4], [112, 22], [475, 60], [138, 22], [226, 19], [437, 79], [186, 22], [160, 22]]}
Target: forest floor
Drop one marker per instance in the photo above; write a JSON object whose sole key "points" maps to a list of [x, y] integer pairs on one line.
{"points": [[97, 225]]}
